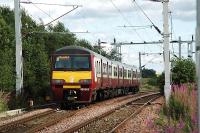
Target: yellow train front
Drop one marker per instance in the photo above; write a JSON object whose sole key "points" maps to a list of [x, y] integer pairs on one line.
{"points": [[72, 80]]}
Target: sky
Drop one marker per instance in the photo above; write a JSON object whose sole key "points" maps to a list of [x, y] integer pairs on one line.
{"points": [[104, 20]]}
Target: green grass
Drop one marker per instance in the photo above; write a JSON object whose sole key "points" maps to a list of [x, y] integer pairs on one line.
{"points": [[147, 86]]}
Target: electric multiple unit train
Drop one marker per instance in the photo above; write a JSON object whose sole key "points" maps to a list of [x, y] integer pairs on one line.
{"points": [[80, 76]]}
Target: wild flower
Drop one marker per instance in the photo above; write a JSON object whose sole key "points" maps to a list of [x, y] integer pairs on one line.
{"points": [[181, 110], [181, 125], [170, 129], [149, 122], [194, 119]]}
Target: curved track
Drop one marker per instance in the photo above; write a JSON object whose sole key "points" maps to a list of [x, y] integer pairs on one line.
{"points": [[92, 126]]}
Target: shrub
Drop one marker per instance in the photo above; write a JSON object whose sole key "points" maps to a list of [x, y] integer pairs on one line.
{"points": [[3, 101], [161, 82], [183, 71], [153, 81]]}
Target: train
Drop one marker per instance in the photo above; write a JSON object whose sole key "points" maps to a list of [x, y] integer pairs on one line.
{"points": [[81, 76]]}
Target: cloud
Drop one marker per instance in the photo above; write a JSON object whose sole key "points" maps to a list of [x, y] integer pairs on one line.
{"points": [[184, 10]]}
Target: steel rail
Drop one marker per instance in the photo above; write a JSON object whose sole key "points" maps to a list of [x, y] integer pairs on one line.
{"points": [[50, 123], [58, 119], [133, 114], [80, 126], [21, 121]]}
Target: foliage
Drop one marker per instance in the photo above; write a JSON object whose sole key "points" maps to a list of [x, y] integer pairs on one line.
{"points": [[3, 101], [183, 71], [153, 81], [161, 82], [148, 73], [181, 110], [7, 60]]}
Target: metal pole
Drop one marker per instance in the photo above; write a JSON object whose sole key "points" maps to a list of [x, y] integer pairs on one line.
{"points": [[188, 49], [166, 35], [198, 57], [19, 65], [140, 67], [99, 46], [120, 52], [179, 46]]}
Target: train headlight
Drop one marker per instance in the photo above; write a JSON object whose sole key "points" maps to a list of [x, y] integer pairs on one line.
{"points": [[85, 81], [85, 89], [58, 81]]}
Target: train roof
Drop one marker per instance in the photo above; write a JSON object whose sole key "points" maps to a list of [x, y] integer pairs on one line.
{"points": [[72, 50]]}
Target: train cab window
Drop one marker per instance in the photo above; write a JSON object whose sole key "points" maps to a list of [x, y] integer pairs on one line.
{"points": [[63, 62], [72, 63], [80, 63]]}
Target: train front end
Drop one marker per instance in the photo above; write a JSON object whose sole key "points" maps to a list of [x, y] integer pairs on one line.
{"points": [[72, 75]]}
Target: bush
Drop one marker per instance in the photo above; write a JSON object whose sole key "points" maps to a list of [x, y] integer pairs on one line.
{"points": [[153, 81], [3, 101], [183, 71], [161, 83]]}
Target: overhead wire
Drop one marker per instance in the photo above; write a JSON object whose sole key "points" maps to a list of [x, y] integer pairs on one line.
{"points": [[74, 7], [30, 2], [149, 35], [125, 19], [40, 9], [150, 61], [139, 19], [156, 28]]}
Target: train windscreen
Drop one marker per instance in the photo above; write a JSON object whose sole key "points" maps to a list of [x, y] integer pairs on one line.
{"points": [[72, 63]]}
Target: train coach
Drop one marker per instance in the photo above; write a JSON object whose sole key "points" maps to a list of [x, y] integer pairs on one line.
{"points": [[80, 76]]}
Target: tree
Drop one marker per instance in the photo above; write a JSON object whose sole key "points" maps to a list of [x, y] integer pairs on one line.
{"points": [[148, 73], [183, 70], [84, 43], [7, 70]]}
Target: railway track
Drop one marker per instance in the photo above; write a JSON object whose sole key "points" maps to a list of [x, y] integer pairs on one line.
{"points": [[9, 125], [51, 117], [36, 122], [102, 122], [137, 111]]}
